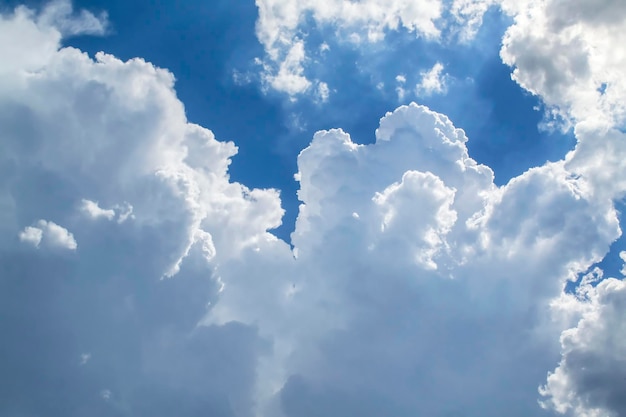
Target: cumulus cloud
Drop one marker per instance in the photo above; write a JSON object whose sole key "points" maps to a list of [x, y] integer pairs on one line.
{"points": [[40, 34], [428, 227], [571, 54], [32, 235], [278, 19], [50, 233], [150, 165], [415, 286], [405, 250], [589, 380]]}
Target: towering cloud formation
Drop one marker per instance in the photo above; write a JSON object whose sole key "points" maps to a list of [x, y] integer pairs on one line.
{"points": [[570, 54], [75, 131], [415, 285], [418, 284]]}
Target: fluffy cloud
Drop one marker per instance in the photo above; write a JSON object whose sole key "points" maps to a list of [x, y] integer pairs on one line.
{"points": [[75, 131], [415, 285], [279, 24], [418, 283], [589, 380], [571, 54], [32, 235], [50, 233]]}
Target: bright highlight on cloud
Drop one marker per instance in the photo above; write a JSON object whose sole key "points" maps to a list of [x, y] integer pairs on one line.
{"points": [[415, 285]]}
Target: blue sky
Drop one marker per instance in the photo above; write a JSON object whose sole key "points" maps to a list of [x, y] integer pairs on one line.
{"points": [[399, 266]]}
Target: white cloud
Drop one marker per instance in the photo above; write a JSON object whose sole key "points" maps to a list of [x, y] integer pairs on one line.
{"points": [[427, 227], [93, 210], [50, 233], [56, 235], [282, 28], [32, 235], [572, 55], [170, 171], [436, 249], [37, 44], [279, 19], [589, 380], [433, 81], [171, 178], [40, 34], [289, 78]]}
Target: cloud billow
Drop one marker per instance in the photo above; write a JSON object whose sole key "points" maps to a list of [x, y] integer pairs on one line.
{"points": [[415, 286]]}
